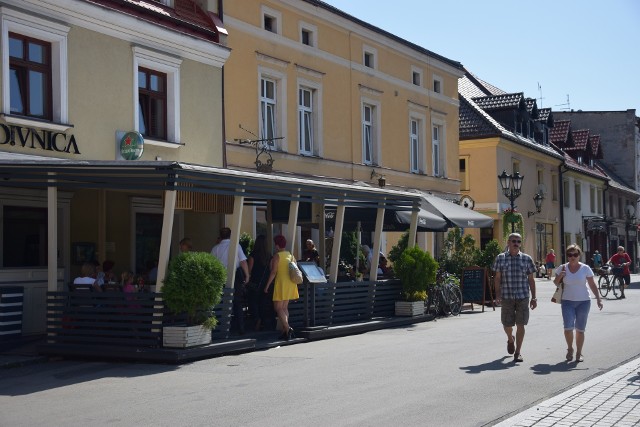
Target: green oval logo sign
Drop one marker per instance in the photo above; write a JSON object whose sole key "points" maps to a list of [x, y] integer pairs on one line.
{"points": [[131, 146]]}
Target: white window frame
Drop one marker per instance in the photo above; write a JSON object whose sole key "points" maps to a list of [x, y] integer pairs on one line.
{"points": [[305, 121], [438, 84], [416, 71], [373, 125], [313, 33], [368, 50], [416, 143], [316, 115], [566, 193], [464, 178], [169, 65], [50, 32], [280, 106], [438, 148], [578, 194], [599, 200], [592, 199], [274, 14]]}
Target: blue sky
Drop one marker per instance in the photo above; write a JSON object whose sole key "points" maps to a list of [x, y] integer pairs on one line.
{"points": [[588, 50]]}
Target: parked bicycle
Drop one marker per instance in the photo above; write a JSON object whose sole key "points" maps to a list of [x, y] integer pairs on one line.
{"points": [[610, 280], [444, 298]]}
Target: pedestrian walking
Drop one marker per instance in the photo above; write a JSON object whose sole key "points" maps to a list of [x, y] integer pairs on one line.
{"points": [[550, 263], [597, 260], [284, 289], [515, 284], [576, 301]]}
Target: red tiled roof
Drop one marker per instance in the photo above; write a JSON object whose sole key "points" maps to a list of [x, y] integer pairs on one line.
{"points": [[580, 139], [187, 17], [499, 102], [596, 148], [560, 134]]}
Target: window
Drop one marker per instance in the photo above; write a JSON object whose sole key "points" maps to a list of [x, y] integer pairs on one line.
{"points": [[612, 212], [540, 176], [566, 195], [578, 195], [271, 20], [368, 134], [157, 96], [414, 145], [599, 200], [579, 159], [416, 76], [35, 68], [464, 176], [30, 75], [438, 150], [308, 34], [592, 198], [515, 166], [152, 95], [554, 187], [305, 121], [268, 110], [24, 236], [369, 57], [437, 84]]}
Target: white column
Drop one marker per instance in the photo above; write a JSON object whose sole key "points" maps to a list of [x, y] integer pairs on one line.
{"points": [[236, 221], [337, 239], [377, 243], [165, 240], [413, 229], [292, 226], [52, 235]]}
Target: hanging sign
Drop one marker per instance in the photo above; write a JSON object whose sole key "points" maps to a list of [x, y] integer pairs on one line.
{"points": [[131, 145]]}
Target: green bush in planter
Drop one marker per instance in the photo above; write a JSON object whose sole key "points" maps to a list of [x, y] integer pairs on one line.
{"points": [[416, 269], [194, 286]]}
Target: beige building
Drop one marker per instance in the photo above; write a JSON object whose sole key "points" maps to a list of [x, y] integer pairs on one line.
{"points": [[76, 77], [499, 132], [313, 92]]}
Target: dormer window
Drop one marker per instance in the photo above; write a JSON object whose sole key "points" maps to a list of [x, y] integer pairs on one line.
{"points": [[579, 159]]}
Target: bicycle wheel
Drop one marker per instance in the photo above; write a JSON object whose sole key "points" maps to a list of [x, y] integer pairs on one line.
{"points": [[454, 296], [615, 286], [604, 285], [432, 304]]}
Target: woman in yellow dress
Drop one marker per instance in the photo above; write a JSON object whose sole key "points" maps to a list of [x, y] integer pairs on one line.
{"points": [[284, 289]]}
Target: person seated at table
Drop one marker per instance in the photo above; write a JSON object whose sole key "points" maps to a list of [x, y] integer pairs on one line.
{"points": [[311, 253], [106, 275], [127, 282], [87, 273]]}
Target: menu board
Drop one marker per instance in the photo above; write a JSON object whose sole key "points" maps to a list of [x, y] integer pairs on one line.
{"points": [[473, 285]]}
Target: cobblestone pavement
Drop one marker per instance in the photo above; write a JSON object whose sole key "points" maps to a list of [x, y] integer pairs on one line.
{"points": [[611, 399]]}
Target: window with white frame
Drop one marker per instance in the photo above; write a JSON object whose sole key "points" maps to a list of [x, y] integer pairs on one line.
{"points": [[437, 84], [592, 198], [599, 200], [369, 57], [578, 195], [305, 120], [464, 173], [157, 95], [34, 67], [271, 20], [414, 145], [308, 34], [268, 110], [438, 149], [554, 187], [566, 194], [416, 76], [369, 134]]}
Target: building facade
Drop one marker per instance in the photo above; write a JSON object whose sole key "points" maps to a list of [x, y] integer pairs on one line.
{"points": [[77, 77], [313, 92]]}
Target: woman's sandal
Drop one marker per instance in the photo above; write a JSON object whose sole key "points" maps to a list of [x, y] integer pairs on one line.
{"points": [[569, 354], [579, 358]]}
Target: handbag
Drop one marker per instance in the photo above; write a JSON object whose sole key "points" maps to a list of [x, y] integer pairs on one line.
{"points": [[557, 295], [294, 273]]}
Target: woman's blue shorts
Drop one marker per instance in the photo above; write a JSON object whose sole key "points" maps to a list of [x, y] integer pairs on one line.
{"points": [[574, 314]]}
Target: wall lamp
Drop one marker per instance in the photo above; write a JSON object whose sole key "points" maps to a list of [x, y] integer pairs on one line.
{"points": [[537, 199], [382, 181]]}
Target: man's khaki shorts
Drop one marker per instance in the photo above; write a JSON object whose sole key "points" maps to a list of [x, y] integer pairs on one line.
{"points": [[515, 312]]}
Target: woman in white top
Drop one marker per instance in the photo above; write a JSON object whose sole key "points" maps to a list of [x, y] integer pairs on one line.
{"points": [[576, 301]]}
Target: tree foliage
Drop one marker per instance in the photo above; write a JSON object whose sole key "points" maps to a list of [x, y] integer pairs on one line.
{"points": [[416, 269]]}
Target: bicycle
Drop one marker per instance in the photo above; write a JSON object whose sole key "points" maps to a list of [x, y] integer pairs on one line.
{"points": [[609, 281], [444, 297]]}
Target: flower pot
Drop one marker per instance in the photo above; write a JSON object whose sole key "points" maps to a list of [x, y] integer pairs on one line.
{"points": [[406, 308], [185, 336]]}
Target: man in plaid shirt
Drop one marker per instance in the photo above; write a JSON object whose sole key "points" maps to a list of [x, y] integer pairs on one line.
{"points": [[514, 283]]}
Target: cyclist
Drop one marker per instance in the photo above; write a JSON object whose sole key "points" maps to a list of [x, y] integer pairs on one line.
{"points": [[622, 259]]}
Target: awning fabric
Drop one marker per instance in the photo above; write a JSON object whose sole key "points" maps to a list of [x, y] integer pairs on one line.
{"points": [[394, 220], [456, 215]]}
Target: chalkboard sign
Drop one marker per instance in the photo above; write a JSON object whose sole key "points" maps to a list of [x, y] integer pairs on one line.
{"points": [[473, 285]]}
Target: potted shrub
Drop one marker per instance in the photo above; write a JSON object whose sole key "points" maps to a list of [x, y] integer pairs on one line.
{"points": [[193, 286], [416, 269]]}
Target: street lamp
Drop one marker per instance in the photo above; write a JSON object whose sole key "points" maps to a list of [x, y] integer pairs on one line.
{"points": [[537, 199], [511, 188]]}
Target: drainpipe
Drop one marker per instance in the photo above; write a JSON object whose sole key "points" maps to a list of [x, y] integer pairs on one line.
{"points": [[562, 247]]}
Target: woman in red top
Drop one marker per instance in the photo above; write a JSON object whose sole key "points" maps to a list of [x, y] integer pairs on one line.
{"points": [[550, 263], [622, 259]]}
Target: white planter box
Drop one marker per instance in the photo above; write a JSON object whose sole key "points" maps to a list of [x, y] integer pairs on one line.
{"points": [[404, 308], [185, 336]]}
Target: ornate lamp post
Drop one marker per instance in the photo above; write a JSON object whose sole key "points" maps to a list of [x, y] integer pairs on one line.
{"points": [[537, 199], [511, 188]]}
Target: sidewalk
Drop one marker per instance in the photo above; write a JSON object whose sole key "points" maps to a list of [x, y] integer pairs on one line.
{"points": [[611, 399]]}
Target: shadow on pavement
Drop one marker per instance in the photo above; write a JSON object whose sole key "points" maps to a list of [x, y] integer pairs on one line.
{"points": [[564, 366], [505, 362]]}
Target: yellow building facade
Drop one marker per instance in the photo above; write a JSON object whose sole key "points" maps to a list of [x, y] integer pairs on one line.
{"points": [[330, 97]]}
